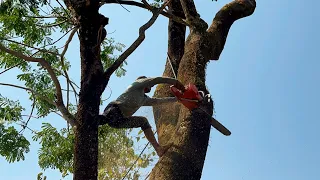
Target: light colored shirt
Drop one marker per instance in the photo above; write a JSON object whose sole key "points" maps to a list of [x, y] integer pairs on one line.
{"points": [[134, 97]]}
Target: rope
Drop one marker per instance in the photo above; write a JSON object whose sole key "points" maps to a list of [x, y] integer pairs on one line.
{"points": [[135, 161], [175, 76]]}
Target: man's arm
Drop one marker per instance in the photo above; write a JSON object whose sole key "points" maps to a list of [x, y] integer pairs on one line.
{"points": [[149, 82], [159, 101]]}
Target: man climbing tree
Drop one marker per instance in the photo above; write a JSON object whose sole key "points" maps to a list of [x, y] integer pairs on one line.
{"points": [[187, 131], [118, 113]]}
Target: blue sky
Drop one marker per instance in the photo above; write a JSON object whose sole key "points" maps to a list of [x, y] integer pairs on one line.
{"points": [[265, 87]]}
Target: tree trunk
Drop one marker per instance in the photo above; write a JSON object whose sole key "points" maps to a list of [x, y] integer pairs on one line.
{"points": [[188, 131], [166, 122], [91, 33]]}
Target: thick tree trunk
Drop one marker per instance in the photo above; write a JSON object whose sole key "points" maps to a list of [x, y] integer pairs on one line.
{"points": [[166, 122], [86, 152], [91, 33], [189, 131]]}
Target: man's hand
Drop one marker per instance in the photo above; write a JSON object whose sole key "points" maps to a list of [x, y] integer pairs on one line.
{"points": [[180, 86]]}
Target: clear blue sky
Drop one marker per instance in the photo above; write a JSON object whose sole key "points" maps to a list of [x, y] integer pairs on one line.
{"points": [[265, 88]]}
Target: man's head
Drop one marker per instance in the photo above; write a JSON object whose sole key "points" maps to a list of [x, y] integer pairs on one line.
{"points": [[141, 77], [147, 89]]}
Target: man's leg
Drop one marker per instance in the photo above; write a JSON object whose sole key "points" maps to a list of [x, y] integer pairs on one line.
{"points": [[150, 136], [140, 121]]}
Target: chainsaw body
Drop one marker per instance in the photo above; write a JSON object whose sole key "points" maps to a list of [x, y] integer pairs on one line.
{"points": [[190, 98]]}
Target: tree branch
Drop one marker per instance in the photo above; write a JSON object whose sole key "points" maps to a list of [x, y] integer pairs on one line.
{"points": [[52, 25], [189, 9], [136, 43], [223, 20], [31, 113], [192, 17], [43, 17], [30, 90], [11, 68], [62, 63], [39, 49], [50, 44], [59, 102], [141, 5]]}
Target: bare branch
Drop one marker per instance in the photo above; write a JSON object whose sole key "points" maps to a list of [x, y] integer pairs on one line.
{"points": [[136, 43], [44, 17], [68, 95], [26, 123], [59, 38], [175, 18], [147, 5], [30, 90], [59, 115], [63, 8], [59, 102], [67, 90], [24, 127], [35, 117], [141, 5], [68, 42], [11, 68], [51, 25], [39, 49], [69, 82], [189, 9], [223, 20], [31, 113], [234, 11], [192, 17]]}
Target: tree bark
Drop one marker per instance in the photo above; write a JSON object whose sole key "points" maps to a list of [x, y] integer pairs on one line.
{"points": [[167, 121], [91, 34], [188, 131]]}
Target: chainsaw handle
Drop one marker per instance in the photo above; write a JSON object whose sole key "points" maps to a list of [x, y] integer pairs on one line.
{"points": [[201, 93]]}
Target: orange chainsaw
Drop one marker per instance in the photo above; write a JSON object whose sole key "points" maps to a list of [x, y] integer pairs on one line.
{"points": [[191, 98]]}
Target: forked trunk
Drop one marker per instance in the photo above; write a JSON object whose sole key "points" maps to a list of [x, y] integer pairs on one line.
{"points": [[188, 131]]}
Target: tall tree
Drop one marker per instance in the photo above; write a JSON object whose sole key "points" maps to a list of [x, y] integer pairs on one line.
{"points": [[31, 33], [187, 131]]}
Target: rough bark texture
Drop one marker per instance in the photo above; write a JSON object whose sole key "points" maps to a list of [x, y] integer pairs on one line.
{"points": [[176, 41], [91, 33], [189, 131]]}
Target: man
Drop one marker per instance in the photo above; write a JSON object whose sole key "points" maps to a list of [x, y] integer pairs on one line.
{"points": [[118, 113]]}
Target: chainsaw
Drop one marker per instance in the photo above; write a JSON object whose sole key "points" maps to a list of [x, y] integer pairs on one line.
{"points": [[191, 98]]}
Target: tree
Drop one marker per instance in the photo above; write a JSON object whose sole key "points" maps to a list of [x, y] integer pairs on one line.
{"points": [[30, 40], [187, 131]]}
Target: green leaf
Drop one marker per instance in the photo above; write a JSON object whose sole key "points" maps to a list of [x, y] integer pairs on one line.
{"points": [[108, 55], [13, 145], [9, 110]]}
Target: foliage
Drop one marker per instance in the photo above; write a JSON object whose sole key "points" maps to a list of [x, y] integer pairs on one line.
{"points": [[39, 28], [12, 144], [116, 152]]}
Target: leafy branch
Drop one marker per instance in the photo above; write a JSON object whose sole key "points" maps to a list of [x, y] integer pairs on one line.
{"points": [[59, 101]]}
